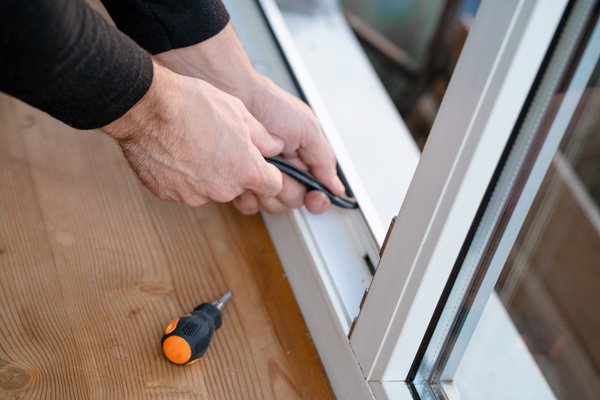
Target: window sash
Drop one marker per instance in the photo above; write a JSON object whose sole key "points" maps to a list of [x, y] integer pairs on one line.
{"points": [[496, 69], [491, 81], [514, 191]]}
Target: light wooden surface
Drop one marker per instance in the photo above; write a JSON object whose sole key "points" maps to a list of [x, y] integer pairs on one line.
{"points": [[92, 267]]}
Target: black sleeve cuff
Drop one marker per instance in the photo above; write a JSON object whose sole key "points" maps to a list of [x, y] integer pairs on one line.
{"points": [[62, 57], [161, 25]]}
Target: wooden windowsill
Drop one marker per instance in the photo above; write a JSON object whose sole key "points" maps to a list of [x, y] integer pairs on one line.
{"points": [[93, 267]]}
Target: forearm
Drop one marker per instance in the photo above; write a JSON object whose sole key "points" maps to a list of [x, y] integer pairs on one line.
{"points": [[195, 35], [62, 57], [161, 25]]}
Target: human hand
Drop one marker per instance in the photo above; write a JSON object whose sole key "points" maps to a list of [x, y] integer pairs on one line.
{"points": [[222, 61], [188, 141], [287, 117]]}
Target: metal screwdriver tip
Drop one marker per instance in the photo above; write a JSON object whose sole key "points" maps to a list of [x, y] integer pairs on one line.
{"points": [[220, 303]]}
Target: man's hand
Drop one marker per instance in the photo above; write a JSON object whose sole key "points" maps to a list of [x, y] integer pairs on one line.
{"points": [[223, 62], [190, 142]]}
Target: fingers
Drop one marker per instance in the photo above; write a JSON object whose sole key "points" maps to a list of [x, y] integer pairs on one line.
{"points": [[272, 205], [267, 144], [316, 202], [318, 155], [263, 178], [315, 151], [247, 203], [292, 195]]}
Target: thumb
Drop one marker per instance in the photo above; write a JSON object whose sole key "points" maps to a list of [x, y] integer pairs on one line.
{"points": [[267, 144]]}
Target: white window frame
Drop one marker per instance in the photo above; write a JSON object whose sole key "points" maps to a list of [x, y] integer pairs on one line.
{"points": [[484, 99], [322, 255]]}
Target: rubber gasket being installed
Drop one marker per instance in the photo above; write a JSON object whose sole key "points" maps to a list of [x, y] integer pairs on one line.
{"points": [[311, 182]]}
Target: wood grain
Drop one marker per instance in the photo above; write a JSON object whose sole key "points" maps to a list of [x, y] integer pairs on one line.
{"points": [[93, 266]]}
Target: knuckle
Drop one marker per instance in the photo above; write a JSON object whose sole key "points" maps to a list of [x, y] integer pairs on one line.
{"points": [[292, 196], [222, 194], [194, 201], [251, 175], [237, 102], [239, 107], [277, 188]]}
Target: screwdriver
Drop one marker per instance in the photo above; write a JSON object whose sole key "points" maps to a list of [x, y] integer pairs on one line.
{"points": [[186, 338]]}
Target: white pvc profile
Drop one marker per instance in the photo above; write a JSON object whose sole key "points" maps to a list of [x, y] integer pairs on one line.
{"points": [[340, 237], [498, 64], [323, 256], [372, 143]]}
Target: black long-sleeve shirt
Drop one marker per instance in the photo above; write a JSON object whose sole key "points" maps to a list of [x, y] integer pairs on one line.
{"points": [[62, 57]]}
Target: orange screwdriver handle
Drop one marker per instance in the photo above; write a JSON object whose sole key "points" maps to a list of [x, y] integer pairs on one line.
{"points": [[186, 339]]}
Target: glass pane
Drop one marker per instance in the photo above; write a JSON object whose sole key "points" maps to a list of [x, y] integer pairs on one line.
{"points": [[519, 318], [540, 330], [551, 282]]}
